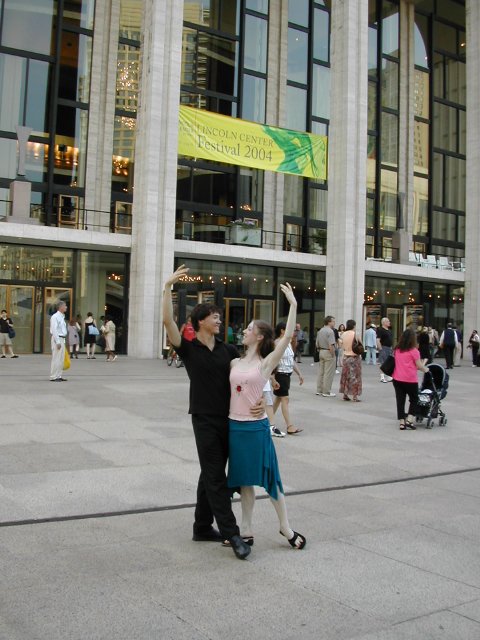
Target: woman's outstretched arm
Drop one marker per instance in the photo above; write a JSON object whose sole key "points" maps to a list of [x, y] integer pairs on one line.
{"points": [[274, 358]]}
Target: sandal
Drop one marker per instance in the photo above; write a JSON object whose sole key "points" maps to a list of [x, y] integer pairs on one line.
{"points": [[346, 398], [356, 400], [247, 539], [409, 425], [295, 430], [293, 540], [402, 426]]}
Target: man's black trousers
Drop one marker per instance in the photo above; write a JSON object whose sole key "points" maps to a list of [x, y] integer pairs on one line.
{"points": [[213, 495], [449, 352]]}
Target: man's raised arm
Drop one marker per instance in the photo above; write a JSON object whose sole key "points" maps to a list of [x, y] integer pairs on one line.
{"points": [[168, 319]]}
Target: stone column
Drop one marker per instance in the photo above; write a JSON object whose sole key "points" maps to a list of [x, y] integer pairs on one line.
{"points": [[402, 237], [347, 161], [472, 222], [156, 175], [275, 115]]}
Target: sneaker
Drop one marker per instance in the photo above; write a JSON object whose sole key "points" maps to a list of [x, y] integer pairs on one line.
{"points": [[15, 356], [318, 393], [337, 371], [329, 395], [275, 431]]}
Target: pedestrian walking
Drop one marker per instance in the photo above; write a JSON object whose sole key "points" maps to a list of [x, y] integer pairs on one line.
{"points": [[109, 335], [384, 345], [283, 374], [474, 344], [448, 342], [405, 378], [7, 334], [73, 338], [90, 334], [370, 344], [300, 340]]}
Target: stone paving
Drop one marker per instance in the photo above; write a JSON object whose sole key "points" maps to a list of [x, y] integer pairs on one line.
{"points": [[97, 479]]}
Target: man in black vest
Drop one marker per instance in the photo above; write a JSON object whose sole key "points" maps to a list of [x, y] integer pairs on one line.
{"points": [[448, 342]]}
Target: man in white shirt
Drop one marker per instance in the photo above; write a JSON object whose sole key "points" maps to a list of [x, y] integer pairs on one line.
{"points": [[370, 342], [58, 331]]}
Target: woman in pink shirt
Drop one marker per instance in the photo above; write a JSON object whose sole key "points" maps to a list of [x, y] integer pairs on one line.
{"points": [[405, 378], [252, 459]]}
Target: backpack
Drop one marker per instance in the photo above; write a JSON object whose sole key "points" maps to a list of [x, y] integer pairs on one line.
{"points": [[449, 338]]}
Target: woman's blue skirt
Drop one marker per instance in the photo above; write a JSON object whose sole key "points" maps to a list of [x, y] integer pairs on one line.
{"points": [[252, 457]]}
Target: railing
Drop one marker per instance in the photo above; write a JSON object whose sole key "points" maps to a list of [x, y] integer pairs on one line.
{"points": [[249, 235], [84, 219]]}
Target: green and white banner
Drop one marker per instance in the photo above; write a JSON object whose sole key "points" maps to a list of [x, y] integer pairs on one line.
{"points": [[203, 134]]}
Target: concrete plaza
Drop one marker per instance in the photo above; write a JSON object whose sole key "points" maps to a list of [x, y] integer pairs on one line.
{"points": [[97, 479]]}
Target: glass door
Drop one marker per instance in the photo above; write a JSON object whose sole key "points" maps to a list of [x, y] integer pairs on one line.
{"points": [[51, 296], [18, 301], [263, 310], [235, 320]]}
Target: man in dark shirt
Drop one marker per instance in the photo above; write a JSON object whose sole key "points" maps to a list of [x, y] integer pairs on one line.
{"points": [[384, 345], [207, 361]]}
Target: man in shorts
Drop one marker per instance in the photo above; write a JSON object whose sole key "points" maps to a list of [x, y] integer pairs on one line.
{"points": [[6, 325]]}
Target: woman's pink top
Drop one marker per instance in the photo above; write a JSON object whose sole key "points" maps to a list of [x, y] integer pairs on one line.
{"points": [[405, 367], [246, 389]]}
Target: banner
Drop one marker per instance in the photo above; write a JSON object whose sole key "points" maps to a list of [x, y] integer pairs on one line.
{"points": [[203, 134]]}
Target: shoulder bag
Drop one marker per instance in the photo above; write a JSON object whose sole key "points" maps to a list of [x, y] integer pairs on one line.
{"points": [[357, 347], [388, 366]]}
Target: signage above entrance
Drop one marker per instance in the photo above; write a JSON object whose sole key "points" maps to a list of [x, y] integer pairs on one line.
{"points": [[203, 134]]}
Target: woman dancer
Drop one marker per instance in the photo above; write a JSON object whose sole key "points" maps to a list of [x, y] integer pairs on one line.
{"points": [[252, 457]]}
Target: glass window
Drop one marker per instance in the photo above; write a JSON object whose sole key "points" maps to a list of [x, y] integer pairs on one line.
{"points": [[389, 139], [127, 88], [70, 146], [255, 56], [420, 147], [438, 179], [81, 12], [320, 128], [462, 140], [321, 92], [372, 106], [370, 219], [321, 49], [8, 158], [389, 84], [390, 29], [297, 60], [253, 99], [293, 196], [298, 12], [75, 61], [13, 78], [454, 183], [250, 189], [445, 134], [455, 81], [421, 94], [131, 14], [28, 25], [296, 108], [19, 262], [214, 187], [444, 226], [36, 163], [123, 157], [216, 14], [420, 206], [371, 164], [372, 52], [438, 75], [257, 5], [421, 41], [451, 11], [211, 62], [388, 200], [318, 204], [444, 37]]}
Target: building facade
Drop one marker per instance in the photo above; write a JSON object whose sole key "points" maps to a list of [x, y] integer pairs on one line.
{"points": [[111, 207]]}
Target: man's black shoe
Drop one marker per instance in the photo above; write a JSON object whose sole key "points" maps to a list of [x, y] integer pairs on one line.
{"points": [[240, 548], [210, 536]]}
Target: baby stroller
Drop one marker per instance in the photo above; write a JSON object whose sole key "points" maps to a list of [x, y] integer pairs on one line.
{"points": [[432, 392]]}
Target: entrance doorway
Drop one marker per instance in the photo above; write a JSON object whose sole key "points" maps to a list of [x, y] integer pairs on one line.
{"points": [[235, 320], [18, 300]]}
